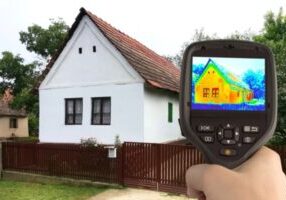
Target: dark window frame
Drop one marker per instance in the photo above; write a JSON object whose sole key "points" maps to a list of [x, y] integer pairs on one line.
{"points": [[13, 122], [206, 92], [101, 99], [215, 92], [74, 111]]}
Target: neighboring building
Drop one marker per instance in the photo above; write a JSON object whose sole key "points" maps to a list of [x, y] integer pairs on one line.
{"points": [[217, 85], [103, 83], [13, 123]]}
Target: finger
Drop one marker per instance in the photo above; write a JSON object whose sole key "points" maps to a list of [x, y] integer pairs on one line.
{"points": [[194, 179], [192, 193], [262, 156]]}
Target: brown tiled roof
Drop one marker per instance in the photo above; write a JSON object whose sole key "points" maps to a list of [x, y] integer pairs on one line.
{"points": [[155, 69]]}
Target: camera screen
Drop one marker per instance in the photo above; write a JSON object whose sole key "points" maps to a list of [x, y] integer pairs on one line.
{"points": [[220, 83]]}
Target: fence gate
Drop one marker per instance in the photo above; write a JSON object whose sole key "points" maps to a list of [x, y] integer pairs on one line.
{"points": [[158, 166]]}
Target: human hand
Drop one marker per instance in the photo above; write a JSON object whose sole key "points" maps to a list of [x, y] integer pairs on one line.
{"points": [[259, 178]]}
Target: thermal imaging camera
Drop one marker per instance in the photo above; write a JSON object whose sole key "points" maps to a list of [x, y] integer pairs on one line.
{"points": [[228, 99]]}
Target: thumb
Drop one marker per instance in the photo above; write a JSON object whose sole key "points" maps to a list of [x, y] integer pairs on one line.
{"points": [[201, 178], [194, 180]]}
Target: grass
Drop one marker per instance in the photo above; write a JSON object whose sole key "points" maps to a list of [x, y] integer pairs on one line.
{"points": [[11, 190]]}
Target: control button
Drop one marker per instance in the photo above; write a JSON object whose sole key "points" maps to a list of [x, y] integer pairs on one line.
{"points": [[228, 152], [207, 139], [219, 135], [251, 129], [228, 142], [205, 128], [236, 134], [248, 140], [228, 133]]}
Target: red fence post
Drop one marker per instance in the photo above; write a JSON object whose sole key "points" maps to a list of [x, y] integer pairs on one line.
{"points": [[123, 151], [158, 163]]}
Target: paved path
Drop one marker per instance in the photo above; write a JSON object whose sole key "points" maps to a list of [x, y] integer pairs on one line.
{"points": [[136, 194]]}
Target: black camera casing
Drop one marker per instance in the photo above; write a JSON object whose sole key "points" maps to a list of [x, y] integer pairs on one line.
{"points": [[206, 129]]}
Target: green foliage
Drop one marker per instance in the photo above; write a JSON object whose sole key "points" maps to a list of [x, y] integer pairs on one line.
{"points": [[246, 35], [89, 142], [45, 42], [20, 78], [274, 36], [14, 74]]}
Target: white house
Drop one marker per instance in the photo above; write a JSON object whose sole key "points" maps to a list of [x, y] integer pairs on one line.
{"points": [[103, 83]]}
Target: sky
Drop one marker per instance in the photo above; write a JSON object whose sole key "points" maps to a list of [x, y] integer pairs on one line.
{"points": [[162, 25], [237, 66]]}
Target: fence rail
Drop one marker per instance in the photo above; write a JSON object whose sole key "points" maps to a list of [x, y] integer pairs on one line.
{"points": [[155, 166]]}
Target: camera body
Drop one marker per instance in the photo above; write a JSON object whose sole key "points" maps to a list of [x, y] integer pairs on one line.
{"points": [[228, 99]]}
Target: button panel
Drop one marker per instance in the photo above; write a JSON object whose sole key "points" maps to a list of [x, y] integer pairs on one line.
{"points": [[230, 137]]}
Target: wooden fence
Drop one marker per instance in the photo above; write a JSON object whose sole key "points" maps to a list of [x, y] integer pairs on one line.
{"points": [[67, 160], [160, 167], [155, 166]]}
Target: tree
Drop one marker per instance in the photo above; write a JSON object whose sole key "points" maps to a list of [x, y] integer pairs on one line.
{"points": [[21, 77], [246, 35], [256, 82], [274, 36], [14, 74], [45, 42]]}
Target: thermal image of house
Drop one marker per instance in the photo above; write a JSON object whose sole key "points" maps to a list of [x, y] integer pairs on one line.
{"points": [[216, 85]]}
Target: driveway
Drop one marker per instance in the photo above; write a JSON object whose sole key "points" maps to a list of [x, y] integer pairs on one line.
{"points": [[136, 194]]}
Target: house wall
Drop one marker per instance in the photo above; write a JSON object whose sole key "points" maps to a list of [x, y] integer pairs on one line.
{"points": [[105, 66], [137, 114], [104, 73], [156, 125], [126, 114], [6, 131]]}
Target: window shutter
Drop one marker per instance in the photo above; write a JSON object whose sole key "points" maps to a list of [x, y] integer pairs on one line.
{"points": [[170, 112]]}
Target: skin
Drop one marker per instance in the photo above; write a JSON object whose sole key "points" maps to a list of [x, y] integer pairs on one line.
{"points": [[259, 178]]}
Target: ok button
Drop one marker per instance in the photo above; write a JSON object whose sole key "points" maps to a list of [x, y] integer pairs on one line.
{"points": [[228, 133]]}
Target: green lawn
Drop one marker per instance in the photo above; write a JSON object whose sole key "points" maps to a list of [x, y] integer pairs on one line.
{"points": [[10, 190]]}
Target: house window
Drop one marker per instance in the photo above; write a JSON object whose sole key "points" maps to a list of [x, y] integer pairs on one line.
{"points": [[73, 111], [215, 92], [101, 111], [13, 123], [80, 50], [206, 92], [170, 112], [94, 48]]}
